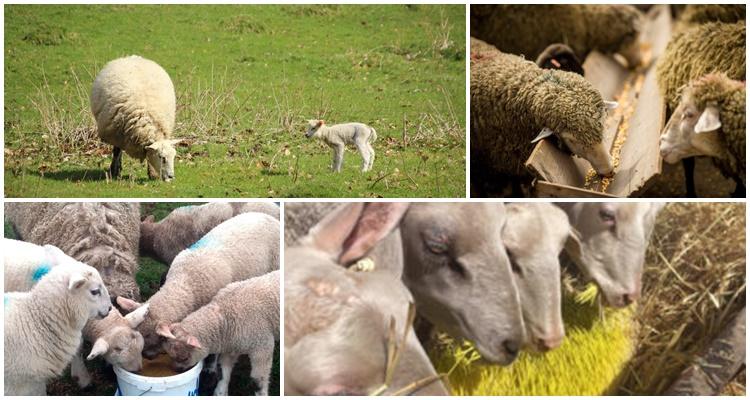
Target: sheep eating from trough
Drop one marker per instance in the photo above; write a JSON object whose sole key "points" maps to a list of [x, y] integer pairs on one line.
{"points": [[133, 102], [239, 248], [340, 135], [243, 318], [102, 235], [513, 99], [43, 327], [185, 225], [524, 29], [710, 121]]}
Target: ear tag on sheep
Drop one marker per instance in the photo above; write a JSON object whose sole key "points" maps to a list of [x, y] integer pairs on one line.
{"points": [[546, 132], [364, 265], [610, 105], [708, 121]]}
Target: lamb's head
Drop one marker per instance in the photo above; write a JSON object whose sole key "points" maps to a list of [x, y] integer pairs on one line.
{"points": [[160, 157], [86, 291], [610, 245], [460, 275], [534, 235], [183, 348], [694, 128], [313, 126], [559, 56], [120, 343], [573, 110]]}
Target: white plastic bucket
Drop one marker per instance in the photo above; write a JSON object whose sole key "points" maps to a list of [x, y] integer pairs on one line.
{"points": [[184, 384]]}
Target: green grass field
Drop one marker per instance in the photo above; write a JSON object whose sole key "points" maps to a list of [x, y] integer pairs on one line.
{"points": [[104, 382], [247, 78]]}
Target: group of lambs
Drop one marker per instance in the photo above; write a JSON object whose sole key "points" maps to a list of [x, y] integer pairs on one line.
{"points": [[220, 295], [515, 102], [133, 102], [486, 272]]}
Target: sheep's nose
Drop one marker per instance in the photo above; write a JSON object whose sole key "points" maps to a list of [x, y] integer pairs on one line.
{"points": [[511, 347], [629, 298], [549, 343]]}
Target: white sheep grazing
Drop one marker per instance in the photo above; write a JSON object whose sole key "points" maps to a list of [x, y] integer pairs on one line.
{"points": [[114, 337], [240, 248], [243, 318], [338, 136], [133, 102], [43, 327]]}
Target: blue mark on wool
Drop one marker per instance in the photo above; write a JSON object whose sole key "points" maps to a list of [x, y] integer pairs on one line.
{"points": [[6, 300], [204, 242], [40, 271]]}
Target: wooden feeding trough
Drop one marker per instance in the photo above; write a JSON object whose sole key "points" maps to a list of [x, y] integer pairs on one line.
{"points": [[631, 131]]}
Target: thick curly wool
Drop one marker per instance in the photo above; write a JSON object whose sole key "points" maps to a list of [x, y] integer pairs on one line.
{"points": [[700, 50], [512, 100], [702, 13], [528, 29], [729, 96], [133, 102], [103, 235]]}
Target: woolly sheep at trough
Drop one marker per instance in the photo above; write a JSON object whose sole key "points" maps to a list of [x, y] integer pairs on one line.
{"points": [[610, 245], [185, 225], [337, 320], [240, 248], [133, 102], [513, 100], [102, 235], [43, 327], [451, 252], [243, 318], [340, 135], [526, 30], [710, 121], [113, 337], [534, 236]]}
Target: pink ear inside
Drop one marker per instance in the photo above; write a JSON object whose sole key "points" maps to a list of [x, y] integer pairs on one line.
{"points": [[331, 232], [193, 341], [376, 222], [162, 329]]}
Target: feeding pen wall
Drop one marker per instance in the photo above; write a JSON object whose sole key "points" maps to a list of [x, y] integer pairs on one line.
{"points": [[632, 130]]}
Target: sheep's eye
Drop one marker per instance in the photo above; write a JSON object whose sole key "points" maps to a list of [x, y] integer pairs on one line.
{"points": [[118, 349], [436, 246], [436, 241], [688, 115], [96, 292], [607, 215]]}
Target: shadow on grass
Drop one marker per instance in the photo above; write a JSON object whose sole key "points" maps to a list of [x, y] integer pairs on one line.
{"points": [[272, 173], [77, 175]]}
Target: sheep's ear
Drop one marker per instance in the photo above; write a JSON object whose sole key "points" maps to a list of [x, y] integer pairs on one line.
{"points": [[127, 304], [193, 341], [77, 280], [136, 317], [162, 329], [352, 230], [153, 146], [709, 120], [545, 132], [100, 347], [610, 105], [175, 141], [321, 122]]}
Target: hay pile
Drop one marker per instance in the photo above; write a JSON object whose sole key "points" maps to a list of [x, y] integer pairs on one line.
{"points": [[693, 284]]}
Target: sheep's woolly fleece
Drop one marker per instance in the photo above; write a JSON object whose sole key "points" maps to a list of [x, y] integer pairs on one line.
{"points": [[512, 100], [703, 49], [729, 96], [133, 102], [702, 13], [528, 29]]}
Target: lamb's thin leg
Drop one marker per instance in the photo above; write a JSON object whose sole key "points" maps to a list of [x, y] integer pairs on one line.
{"points": [[362, 147], [227, 362], [261, 360], [116, 166], [78, 370], [338, 157], [372, 156]]}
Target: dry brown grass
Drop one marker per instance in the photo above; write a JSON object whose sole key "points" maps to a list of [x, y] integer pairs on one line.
{"points": [[693, 284]]}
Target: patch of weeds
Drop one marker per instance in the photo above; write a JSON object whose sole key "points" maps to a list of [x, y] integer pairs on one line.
{"points": [[243, 24], [314, 10], [44, 35]]}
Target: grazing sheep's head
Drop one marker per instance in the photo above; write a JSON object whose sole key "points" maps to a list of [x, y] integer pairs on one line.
{"points": [[693, 129], [559, 56], [86, 286], [460, 275], [534, 235], [184, 349], [121, 344], [313, 125], [160, 157], [610, 246]]}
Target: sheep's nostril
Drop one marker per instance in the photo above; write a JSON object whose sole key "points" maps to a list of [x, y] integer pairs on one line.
{"points": [[546, 344], [511, 347]]}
